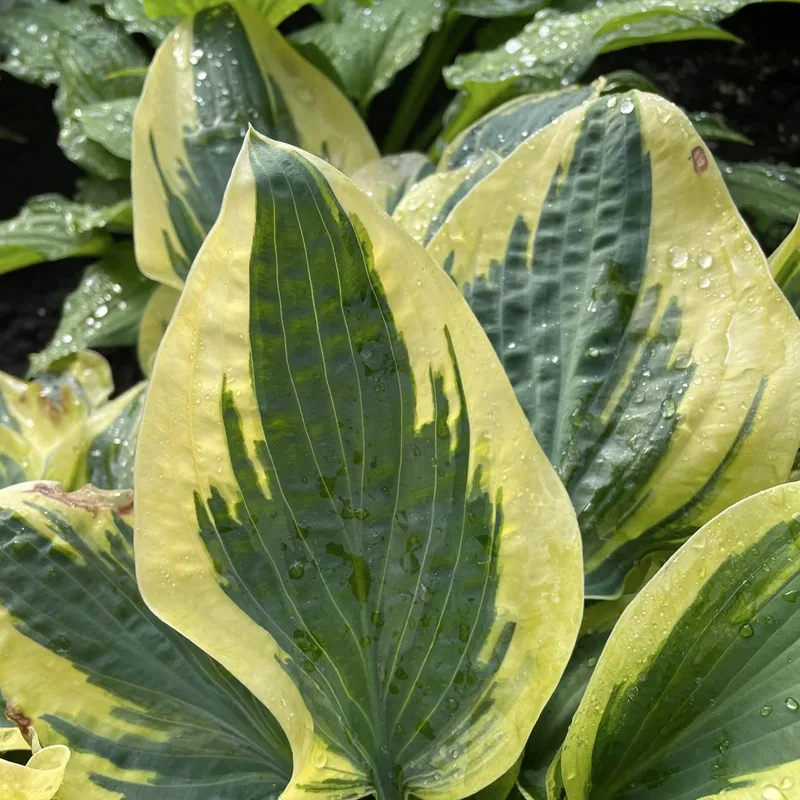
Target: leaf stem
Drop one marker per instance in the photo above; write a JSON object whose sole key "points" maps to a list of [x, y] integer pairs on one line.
{"points": [[439, 49]]}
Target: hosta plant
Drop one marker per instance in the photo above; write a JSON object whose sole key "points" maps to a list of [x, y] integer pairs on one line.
{"points": [[381, 463]]}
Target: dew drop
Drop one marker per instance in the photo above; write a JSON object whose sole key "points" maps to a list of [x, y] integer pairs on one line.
{"points": [[766, 711], [705, 260], [678, 257], [791, 596], [704, 282], [746, 631], [792, 704], [668, 408], [626, 106], [772, 793]]}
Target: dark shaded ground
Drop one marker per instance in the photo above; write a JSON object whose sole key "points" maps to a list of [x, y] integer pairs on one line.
{"points": [[755, 85]]}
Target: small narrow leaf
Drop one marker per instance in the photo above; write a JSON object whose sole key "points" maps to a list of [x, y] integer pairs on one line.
{"points": [[157, 314], [273, 11], [353, 538], [368, 46], [767, 191], [712, 127], [104, 311], [51, 227], [218, 72]]}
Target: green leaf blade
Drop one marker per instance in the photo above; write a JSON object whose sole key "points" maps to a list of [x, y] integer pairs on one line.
{"points": [[377, 567], [699, 677], [145, 710]]}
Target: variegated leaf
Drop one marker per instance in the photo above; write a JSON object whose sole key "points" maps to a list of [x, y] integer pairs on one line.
{"points": [[219, 71], [784, 264], [157, 314], [43, 422], [330, 499], [697, 693], [635, 315], [85, 664]]}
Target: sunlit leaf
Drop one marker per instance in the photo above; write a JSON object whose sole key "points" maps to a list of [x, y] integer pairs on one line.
{"points": [[634, 313], [338, 513], [217, 73], [85, 664], [698, 689], [157, 314]]}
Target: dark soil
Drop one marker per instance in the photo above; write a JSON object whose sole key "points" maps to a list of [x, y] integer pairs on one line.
{"points": [[755, 85]]}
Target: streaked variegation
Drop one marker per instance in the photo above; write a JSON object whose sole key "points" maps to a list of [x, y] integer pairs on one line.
{"points": [[144, 713], [477, 152], [219, 71], [329, 498], [784, 264], [636, 317], [697, 693]]}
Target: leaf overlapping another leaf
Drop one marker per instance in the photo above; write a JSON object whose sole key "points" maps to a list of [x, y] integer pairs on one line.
{"points": [[626, 321], [355, 515]]}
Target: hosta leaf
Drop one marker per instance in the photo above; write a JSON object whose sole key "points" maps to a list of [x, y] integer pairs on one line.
{"points": [[635, 316], [273, 11], [354, 538], [157, 314], [768, 192], [112, 433], [784, 264], [30, 33], [104, 311], [557, 47], [599, 617], [132, 15], [218, 72], [701, 677], [387, 180], [368, 46], [498, 8], [109, 123], [50, 227], [42, 422], [86, 60], [39, 779], [144, 712], [478, 151], [712, 127]]}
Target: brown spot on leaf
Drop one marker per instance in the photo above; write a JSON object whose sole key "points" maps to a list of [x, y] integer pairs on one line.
{"points": [[19, 718], [699, 160], [89, 498]]}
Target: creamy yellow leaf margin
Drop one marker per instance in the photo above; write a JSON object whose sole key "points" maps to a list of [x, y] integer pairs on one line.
{"points": [[219, 70], [86, 667], [183, 451], [701, 304], [39, 779], [157, 314], [697, 692]]}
